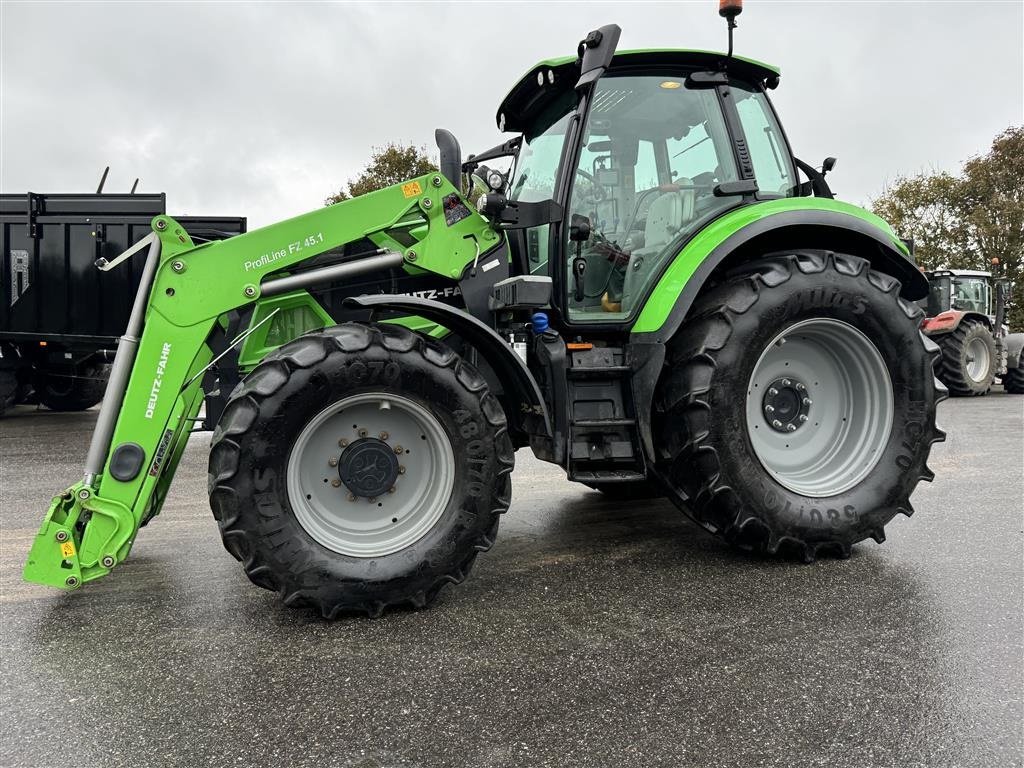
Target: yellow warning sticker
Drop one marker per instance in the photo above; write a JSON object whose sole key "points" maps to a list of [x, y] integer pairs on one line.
{"points": [[67, 549], [412, 189]]}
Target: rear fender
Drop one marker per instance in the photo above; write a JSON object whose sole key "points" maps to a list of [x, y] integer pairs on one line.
{"points": [[750, 232]]}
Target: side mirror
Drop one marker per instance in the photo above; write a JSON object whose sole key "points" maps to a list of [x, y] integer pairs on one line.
{"points": [[828, 165], [450, 161], [596, 51]]}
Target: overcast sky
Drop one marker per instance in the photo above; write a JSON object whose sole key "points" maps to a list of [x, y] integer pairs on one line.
{"points": [[263, 109]]}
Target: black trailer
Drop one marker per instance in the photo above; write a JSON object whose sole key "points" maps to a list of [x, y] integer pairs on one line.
{"points": [[60, 316]]}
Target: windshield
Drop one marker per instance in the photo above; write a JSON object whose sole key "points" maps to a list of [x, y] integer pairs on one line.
{"points": [[970, 294], [536, 173], [537, 165]]}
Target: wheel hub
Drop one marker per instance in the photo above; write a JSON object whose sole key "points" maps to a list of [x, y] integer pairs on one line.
{"points": [[786, 404], [368, 467]]}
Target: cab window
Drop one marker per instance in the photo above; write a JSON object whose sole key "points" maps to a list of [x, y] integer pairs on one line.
{"points": [[773, 168], [652, 153]]}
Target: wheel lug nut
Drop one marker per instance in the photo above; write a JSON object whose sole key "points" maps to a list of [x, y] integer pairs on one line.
{"points": [[384, 435], [342, 443], [332, 462], [401, 470], [791, 427], [776, 423], [802, 417], [808, 401], [363, 432], [351, 497], [336, 482], [786, 382], [769, 409], [800, 387], [773, 391], [398, 449], [391, 489], [372, 499]]}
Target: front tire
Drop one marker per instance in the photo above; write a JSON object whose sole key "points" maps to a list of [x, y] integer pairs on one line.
{"points": [[799, 407], [359, 468]]}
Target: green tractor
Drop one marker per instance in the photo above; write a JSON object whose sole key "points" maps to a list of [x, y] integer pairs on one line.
{"points": [[966, 315], [650, 298]]}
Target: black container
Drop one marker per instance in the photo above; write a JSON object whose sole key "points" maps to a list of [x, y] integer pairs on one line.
{"points": [[50, 288], [60, 316]]}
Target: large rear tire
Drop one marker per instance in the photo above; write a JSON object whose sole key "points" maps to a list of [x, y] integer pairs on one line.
{"points": [[799, 406], [359, 468], [969, 359], [73, 389]]}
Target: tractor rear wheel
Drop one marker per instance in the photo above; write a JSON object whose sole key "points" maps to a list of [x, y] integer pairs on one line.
{"points": [[358, 468], [1013, 380], [969, 359], [799, 406]]}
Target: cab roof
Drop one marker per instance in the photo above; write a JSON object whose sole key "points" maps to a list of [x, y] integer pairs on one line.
{"points": [[555, 77]]}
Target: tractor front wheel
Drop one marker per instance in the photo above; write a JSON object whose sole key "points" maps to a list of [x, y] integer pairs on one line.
{"points": [[359, 468], [799, 408]]}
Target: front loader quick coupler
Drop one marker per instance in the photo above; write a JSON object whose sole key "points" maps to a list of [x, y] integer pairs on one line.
{"points": [[81, 538]]}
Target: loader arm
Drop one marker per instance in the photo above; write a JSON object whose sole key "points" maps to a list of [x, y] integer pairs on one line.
{"points": [[155, 389]]}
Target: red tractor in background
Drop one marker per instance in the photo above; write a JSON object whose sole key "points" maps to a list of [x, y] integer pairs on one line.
{"points": [[966, 316]]}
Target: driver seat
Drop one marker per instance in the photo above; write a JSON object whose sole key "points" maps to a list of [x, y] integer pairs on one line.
{"points": [[666, 217]]}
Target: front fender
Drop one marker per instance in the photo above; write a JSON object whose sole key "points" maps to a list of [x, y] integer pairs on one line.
{"points": [[751, 231], [511, 370]]}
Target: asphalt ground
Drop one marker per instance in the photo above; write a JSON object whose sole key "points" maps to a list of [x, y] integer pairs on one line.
{"points": [[594, 633]]}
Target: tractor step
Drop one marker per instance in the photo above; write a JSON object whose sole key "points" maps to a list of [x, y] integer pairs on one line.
{"points": [[604, 441], [584, 372], [602, 423], [610, 476]]}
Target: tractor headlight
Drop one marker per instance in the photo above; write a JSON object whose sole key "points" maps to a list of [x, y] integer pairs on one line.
{"points": [[495, 180], [491, 205]]}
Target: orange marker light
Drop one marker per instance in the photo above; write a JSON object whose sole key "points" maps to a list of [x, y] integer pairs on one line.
{"points": [[42, 343], [730, 7], [579, 346]]}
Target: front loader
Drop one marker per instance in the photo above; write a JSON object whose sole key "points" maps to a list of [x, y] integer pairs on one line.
{"points": [[651, 298]]}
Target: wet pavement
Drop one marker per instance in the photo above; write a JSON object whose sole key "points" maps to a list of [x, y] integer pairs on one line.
{"points": [[592, 634]]}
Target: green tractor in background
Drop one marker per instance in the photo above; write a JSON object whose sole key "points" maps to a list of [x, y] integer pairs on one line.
{"points": [[651, 298], [966, 315]]}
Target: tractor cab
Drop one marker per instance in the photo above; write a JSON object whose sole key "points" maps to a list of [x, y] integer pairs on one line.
{"points": [[637, 161], [961, 290]]}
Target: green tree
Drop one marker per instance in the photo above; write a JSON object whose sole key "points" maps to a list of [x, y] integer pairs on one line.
{"points": [[969, 220], [391, 164]]}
